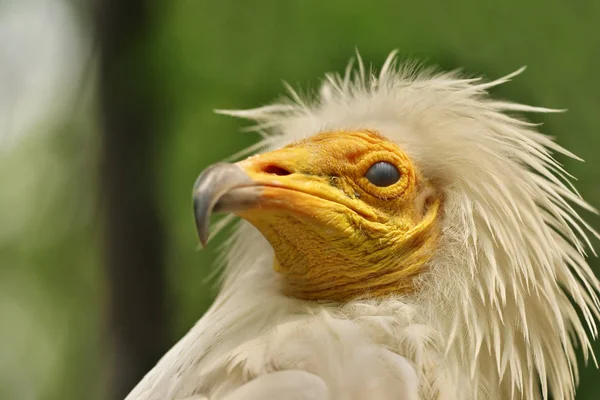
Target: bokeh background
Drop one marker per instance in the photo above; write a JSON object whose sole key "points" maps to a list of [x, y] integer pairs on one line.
{"points": [[106, 120]]}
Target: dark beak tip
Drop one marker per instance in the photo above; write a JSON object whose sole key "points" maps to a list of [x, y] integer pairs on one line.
{"points": [[202, 221], [203, 239]]}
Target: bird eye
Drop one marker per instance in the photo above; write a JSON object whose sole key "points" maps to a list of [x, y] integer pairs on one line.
{"points": [[383, 174]]}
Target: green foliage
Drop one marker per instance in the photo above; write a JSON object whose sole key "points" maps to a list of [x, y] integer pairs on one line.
{"points": [[51, 279], [233, 54]]}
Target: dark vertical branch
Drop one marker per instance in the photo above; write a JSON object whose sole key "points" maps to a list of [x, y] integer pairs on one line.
{"points": [[133, 242]]}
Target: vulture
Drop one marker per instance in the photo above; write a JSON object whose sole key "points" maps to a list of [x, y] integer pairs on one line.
{"points": [[403, 235]]}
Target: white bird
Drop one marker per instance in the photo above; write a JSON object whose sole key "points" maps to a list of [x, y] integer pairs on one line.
{"points": [[404, 236]]}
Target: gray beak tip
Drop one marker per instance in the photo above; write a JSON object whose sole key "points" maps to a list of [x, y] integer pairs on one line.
{"points": [[210, 187]]}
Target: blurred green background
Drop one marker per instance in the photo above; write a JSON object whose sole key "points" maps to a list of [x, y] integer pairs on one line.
{"points": [[185, 58]]}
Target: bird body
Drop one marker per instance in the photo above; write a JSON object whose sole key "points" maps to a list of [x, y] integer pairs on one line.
{"points": [[454, 271]]}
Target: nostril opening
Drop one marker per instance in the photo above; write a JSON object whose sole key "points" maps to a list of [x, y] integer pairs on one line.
{"points": [[276, 170]]}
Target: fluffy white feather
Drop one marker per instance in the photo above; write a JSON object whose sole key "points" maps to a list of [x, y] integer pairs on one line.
{"points": [[493, 317]]}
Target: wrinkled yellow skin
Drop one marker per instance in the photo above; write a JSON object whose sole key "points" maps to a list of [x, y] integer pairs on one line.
{"points": [[335, 235]]}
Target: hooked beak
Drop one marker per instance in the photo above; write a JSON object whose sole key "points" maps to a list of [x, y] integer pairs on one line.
{"points": [[286, 181], [222, 187]]}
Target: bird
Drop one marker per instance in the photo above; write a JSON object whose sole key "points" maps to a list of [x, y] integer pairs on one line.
{"points": [[400, 234]]}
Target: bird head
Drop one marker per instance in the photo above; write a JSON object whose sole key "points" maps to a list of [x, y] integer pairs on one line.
{"points": [[347, 213], [418, 186]]}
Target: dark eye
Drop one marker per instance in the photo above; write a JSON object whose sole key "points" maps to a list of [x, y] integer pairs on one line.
{"points": [[383, 174]]}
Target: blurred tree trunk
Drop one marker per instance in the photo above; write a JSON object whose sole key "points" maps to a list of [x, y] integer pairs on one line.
{"points": [[133, 241]]}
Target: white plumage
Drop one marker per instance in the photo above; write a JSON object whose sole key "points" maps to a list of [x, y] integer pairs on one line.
{"points": [[492, 318]]}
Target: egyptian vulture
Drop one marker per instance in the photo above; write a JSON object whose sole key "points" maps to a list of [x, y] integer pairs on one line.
{"points": [[403, 236]]}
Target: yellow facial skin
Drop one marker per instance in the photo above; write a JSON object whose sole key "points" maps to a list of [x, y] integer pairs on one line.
{"points": [[336, 236]]}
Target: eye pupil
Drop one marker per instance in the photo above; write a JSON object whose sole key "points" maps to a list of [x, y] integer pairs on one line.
{"points": [[383, 174]]}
